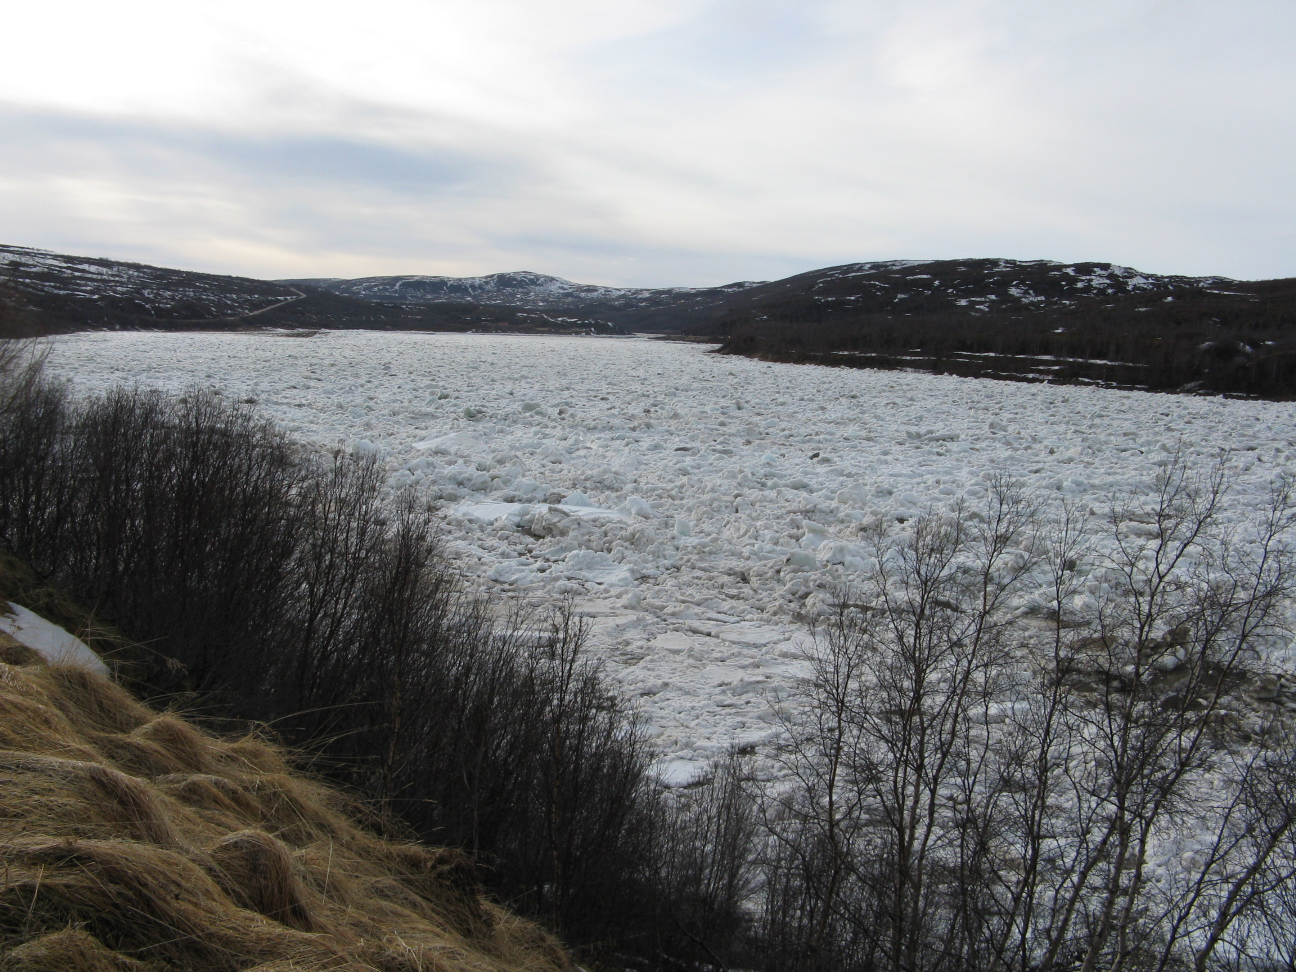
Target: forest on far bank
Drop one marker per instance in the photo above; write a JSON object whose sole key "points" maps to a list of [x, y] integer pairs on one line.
{"points": [[1236, 338]]}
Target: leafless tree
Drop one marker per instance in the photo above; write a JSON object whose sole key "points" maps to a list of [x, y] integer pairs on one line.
{"points": [[1009, 723]]}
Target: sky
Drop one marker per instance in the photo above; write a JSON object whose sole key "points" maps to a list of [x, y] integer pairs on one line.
{"points": [[650, 142]]}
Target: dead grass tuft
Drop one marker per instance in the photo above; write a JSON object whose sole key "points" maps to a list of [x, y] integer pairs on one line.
{"points": [[259, 875], [131, 841], [94, 704], [15, 653], [210, 794], [70, 950], [179, 740]]}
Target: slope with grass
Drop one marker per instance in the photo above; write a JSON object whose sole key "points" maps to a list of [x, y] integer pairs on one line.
{"points": [[132, 840]]}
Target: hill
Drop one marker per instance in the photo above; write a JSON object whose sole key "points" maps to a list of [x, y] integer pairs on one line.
{"points": [[905, 287], [1031, 321], [43, 292], [633, 308], [1028, 320], [133, 841]]}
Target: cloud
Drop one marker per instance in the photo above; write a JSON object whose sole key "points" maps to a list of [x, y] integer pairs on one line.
{"points": [[656, 141]]}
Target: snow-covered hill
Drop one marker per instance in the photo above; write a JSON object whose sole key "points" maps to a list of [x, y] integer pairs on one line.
{"points": [[909, 287], [903, 286], [512, 288], [53, 292], [117, 287], [979, 285], [970, 282], [654, 307]]}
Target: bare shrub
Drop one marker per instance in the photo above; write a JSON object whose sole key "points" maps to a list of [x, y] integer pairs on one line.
{"points": [[1016, 720], [270, 585]]}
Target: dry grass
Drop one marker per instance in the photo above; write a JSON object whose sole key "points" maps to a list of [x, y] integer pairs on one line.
{"points": [[131, 840]]}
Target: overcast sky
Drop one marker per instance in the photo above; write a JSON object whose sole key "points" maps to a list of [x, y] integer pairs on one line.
{"points": [[650, 142]]}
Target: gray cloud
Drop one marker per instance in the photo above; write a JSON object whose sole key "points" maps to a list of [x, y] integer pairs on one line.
{"points": [[677, 141], [177, 193], [86, 144]]}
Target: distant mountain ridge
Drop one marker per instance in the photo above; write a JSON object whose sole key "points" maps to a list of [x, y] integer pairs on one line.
{"points": [[525, 288], [973, 286], [962, 288], [1030, 320], [109, 292], [517, 287], [124, 287], [43, 292], [647, 308]]}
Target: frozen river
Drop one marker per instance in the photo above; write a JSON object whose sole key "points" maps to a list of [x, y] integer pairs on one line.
{"points": [[695, 505]]}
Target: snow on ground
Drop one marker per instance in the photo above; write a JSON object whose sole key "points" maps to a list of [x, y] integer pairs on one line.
{"points": [[50, 641], [693, 504]]}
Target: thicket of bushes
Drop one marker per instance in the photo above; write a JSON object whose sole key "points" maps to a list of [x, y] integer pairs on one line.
{"points": [[270, 585], [1027, 741]]}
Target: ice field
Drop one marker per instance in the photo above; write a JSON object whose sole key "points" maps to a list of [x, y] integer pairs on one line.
{"points": [[694, 505]]}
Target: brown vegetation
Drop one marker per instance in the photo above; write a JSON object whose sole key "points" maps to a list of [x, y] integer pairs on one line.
{"points": [[131, 840], [261, 585]]}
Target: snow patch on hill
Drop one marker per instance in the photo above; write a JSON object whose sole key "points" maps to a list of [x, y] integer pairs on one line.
{"points": [[521, 288], [151, 288]]}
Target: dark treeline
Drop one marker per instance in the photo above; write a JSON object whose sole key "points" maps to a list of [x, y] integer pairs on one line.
{"points": [[1192, 338], [951, 791]]}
